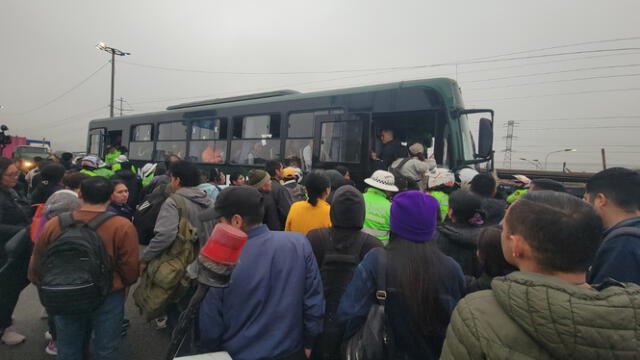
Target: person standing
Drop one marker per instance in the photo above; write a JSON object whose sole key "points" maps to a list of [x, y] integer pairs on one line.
{"points": [[273, 306], [292, 179], [128, 175], [615, 194], [422, 284], [440, 184], [378, 206], [121, 243], [119, 198], [281, 195], [416, 166], [484, 185], [313, 213], [459, 237], [261, 180], [52, 175], [338, 251], [14, 216], [392, 149], [547, 310]]}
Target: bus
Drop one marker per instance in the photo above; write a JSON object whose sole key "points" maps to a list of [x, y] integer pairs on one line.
{"points": [[316, 130]]}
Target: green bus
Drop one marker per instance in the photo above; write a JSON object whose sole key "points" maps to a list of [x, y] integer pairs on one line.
{"points": [[317, 130]]}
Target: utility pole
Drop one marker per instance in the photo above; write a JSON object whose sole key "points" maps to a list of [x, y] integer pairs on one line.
{"points": [[604, 159], [121, 100], [113, 52], [509, 145]]}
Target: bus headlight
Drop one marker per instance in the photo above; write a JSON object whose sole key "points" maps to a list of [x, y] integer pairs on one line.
{"points": [[28, 164]]}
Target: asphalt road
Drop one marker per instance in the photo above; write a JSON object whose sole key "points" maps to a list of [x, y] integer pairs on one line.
{"points": [[142, 340]]}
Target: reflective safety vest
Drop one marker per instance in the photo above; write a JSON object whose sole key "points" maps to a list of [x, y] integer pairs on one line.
{"points": [[110, 158], [104, 172], [88, 172], [443, 200], [117, 166], [516, 195], [377, 212], [147, 180]]}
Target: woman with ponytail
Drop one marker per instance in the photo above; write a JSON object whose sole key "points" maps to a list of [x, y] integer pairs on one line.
{"points": [[459, 237], [313, 213]]}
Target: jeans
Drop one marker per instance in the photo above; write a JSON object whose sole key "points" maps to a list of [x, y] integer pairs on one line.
{"points": [[74, 331]]}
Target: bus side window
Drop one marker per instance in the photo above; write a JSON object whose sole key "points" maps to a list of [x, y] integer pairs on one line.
{"points": [[256, 139]]}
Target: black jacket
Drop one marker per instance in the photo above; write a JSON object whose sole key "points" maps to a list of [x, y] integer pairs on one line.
{"points": [[14, 214], [43, 191], [282, 199], [271, 218], [460, 241], [390, 152], [123, 210], [494, 209]]}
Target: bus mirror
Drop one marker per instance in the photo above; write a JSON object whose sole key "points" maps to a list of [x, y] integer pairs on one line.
{"points": [[485, 139]]}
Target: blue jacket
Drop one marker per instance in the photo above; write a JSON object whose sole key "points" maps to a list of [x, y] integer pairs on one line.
{"points": [[274, 304], [619, 257], [360, 296], [211, 189]]}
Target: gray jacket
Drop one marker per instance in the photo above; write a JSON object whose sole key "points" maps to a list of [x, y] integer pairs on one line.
{"points": [[414, 169], [168, 220]]}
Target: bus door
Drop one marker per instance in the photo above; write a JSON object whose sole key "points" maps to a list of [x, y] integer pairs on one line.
{"points": [[96, 142], [343, 139]]}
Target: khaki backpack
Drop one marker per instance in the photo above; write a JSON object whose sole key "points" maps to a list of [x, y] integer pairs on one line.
{"points": [[165, 279]]}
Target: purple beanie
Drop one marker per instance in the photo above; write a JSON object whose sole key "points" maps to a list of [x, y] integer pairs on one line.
{"points": [[413, 216]]}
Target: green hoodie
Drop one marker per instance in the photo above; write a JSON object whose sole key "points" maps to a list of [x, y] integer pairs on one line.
{"points": [[532, 316]]}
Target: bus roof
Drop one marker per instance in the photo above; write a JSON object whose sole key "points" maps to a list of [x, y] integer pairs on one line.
{"points": [[448, 89]]}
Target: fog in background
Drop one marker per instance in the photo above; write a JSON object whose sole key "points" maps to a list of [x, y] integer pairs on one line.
{"points": [[565, 71]]}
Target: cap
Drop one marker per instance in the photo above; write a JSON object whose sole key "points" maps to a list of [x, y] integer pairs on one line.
{"points": [[242, 200], [416, 148], [289, 173], [257, 178]]}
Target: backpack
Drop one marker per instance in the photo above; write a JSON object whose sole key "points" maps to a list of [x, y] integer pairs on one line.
{"points": [[165, 279], [37, 222], [146, 214], [336, 272], [374, 341], [76, 270]]}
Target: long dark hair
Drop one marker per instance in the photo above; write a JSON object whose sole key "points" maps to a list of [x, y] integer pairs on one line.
{"points": [[490, 256], [466, 208], [415, 269], [316, 184]]}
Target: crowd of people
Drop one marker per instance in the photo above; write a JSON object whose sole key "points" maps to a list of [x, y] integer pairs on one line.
{"points": [[459, 271]]}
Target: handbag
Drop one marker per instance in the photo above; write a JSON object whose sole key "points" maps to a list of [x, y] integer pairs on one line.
{"points": [[373, 340]]}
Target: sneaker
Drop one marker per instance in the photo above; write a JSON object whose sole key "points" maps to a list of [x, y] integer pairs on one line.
{"points": [[51, 348], [47, 336], [161, 323], [11, 337]]}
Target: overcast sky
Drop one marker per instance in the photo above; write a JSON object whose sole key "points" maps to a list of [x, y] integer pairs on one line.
{"points": [[583, 101]]}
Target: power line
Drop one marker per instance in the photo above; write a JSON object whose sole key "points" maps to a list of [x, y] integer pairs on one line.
{"points": [[166, 68], [556, 81], [556, 72], [545, 62], [557, 94], [620, 117], [585, 128], [563, 46], [65, 120], [66, 92]]}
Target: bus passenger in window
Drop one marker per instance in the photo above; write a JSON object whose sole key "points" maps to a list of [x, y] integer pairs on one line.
{"points": [[306, 156], [211, 155], [391, 150]]}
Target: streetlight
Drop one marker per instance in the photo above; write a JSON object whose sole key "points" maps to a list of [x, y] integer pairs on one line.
{"points": [[534, 162], [113, 51], [546, 159]]}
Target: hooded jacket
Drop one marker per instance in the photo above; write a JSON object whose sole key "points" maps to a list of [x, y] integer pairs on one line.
{"points": [[168, 221], [347, 216], [532, 316], [460, 241], [618, 256], [14, 213]]}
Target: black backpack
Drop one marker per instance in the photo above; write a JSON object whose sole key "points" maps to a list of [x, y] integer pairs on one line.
{"points": [[146, 214], [76, 270], [336, 271]]}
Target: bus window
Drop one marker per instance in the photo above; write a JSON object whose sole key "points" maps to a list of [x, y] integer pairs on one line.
{"points": [[341, 141], [299, 143], [96, 139], [168, 144], [208, 141], [141, 144], [256, 139]]}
